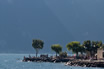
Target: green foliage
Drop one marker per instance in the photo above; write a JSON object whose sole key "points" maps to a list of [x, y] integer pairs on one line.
{"points": [[57, 48], [63, 54], [102, 46], [96, 45], [92, 46], [74, 46], [37, 44], [81, 49], [87, 45]]}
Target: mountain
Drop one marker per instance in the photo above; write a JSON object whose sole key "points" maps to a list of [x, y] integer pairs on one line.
{"points": [[53, 21]]}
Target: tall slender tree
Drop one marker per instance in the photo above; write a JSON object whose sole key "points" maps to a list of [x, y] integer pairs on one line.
{"points": [[37, 44]]}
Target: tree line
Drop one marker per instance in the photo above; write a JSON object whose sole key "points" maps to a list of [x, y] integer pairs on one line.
{"points": [[74, 46]]}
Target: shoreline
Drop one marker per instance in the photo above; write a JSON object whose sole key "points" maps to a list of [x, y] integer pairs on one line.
{"points": [[86, 63], [49, 59], [67, 61]]}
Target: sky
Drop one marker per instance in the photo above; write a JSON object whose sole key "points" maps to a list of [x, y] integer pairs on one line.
{"points": [[53, 21]]}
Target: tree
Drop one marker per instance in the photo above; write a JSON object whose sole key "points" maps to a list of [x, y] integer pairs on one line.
{"points": [[37, 45], [57, 48], [95, 46], [74, 46], [87, 44], [81, 49], [92, 46]]}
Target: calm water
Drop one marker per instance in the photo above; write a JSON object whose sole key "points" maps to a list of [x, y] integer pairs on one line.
{"points": [[13, 61]]}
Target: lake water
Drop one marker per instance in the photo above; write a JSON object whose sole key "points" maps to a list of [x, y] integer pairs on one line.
{"points": [[13, 61]]}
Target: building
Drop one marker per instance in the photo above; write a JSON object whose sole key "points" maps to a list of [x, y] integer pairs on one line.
{"points": [[100, 53]]}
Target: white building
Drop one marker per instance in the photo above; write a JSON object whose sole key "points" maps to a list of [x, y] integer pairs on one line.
{"points": [[100, 53]]}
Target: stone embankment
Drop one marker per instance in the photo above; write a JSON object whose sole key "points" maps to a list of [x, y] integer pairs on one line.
{"points": [[39, 59], [68, 61], [86, 63]]}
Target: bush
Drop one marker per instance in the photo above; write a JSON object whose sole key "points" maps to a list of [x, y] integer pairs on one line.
{"points": [[63, 54]]}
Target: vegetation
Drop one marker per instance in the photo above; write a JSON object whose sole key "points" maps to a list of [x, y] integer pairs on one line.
{"points": [[96, 45], [81, 49], [87, 45], [37, 45], [57, 48], [63, 54], [74, 46], [92, 46]]}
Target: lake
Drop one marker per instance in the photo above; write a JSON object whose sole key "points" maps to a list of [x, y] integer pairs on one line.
{"points": [[14, 61]]}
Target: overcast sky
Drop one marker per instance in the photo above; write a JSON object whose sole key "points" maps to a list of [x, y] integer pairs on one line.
{"points": [[53, 21]]}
